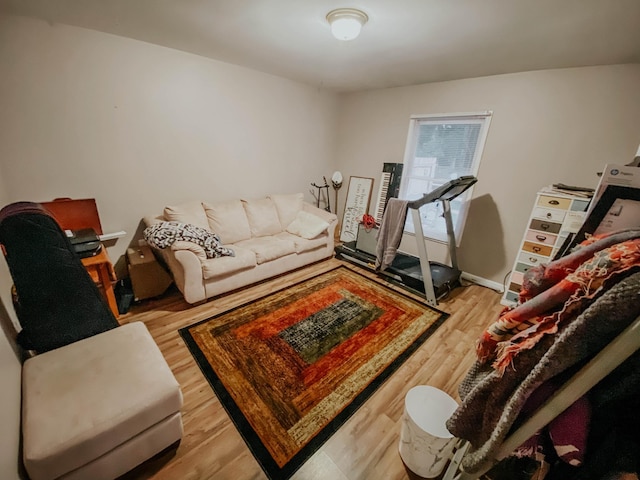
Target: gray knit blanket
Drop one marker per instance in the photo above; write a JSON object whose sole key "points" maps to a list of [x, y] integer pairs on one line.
{"points": [[390, 232], [491, 402]]}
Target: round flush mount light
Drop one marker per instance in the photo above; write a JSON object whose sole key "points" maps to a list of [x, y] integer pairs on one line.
{"points": [[346, 23]]}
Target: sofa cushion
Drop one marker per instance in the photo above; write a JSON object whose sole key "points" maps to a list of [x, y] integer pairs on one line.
{"points": [[215, 267], [228, 220], [262, 216], [302, 244], [85, 399], [190, 212], [307, 225], [268, 248], [287, 207]]}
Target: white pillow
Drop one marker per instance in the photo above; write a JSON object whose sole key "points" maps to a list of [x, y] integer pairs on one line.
{"points": [[307, 225]]}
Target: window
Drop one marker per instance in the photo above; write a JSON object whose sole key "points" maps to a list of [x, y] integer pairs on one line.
{"points": [[442, 148]]}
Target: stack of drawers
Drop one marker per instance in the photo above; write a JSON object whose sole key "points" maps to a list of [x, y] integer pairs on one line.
{"points": [[555, 216]]}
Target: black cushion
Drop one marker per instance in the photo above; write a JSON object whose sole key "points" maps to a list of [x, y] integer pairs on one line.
{"points": [[57, 301]]}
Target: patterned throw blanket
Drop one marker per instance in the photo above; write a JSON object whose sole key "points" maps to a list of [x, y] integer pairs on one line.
{"points": [[566, 328], [556, 292], [164, 234]]}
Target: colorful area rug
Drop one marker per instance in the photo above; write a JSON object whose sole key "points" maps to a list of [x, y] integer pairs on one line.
{"points": [[292, 367]]}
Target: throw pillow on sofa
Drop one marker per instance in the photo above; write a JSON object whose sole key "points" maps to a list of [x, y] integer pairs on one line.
{"points": [[190, 213], [262, 216], [288, 206], [164, 234], [228, 220], [307, 225]]}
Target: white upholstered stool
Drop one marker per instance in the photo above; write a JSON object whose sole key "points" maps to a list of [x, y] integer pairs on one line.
{"points": [[98, 407], [425, 443]]}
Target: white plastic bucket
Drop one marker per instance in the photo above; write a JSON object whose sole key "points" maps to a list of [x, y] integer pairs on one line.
{"points": [[425, 443]]}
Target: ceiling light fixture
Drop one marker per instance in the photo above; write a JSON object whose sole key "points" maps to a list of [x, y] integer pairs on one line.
{"points": [[346, 23]]}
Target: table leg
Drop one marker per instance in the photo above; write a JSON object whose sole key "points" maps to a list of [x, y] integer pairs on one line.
{"points": [[105, 280]]}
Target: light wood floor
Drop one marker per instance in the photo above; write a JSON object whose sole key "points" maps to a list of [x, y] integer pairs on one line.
{"points": [[365, 448]]}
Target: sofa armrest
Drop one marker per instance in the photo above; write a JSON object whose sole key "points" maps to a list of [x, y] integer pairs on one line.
{"points": [[330, 218], [191, 247], [184, 261], [191, 281], [323, 214]]}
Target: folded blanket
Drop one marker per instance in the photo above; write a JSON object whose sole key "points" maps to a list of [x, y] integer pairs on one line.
{"points": [[491, 400], [579, 277], [390, 233]]}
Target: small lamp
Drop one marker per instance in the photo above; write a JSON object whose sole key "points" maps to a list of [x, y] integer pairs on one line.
{"points": [[346, 23], [336, 181]]}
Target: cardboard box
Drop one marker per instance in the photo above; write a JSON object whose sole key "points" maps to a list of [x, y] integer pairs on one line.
{"points": [[148, 278]]}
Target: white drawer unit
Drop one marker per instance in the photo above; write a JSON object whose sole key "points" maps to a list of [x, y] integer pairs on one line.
{"points": [[554, 217]]}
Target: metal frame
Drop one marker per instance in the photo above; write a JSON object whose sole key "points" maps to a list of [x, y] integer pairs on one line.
{"points": [[445, 194]]}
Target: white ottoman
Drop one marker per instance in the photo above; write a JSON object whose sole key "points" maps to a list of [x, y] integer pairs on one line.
{"points": [[98, 407], [425, 443]]}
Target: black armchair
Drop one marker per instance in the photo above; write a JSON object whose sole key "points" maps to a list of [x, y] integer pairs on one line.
{"points": [[57, 302]]}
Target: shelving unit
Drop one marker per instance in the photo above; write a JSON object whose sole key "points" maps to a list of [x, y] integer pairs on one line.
{"points": [[554, 218]]}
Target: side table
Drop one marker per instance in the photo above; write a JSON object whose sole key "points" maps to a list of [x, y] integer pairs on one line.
{"points": [[555, 217], [101, 270]]}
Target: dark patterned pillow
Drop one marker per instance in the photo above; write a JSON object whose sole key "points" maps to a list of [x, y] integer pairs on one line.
{"points": [[164, 234]]}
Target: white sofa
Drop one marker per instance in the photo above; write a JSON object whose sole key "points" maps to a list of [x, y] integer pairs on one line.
{"points": [[268, 237]]}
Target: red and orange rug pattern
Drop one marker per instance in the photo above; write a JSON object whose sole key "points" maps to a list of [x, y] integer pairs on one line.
{"points": [[291, 367]]}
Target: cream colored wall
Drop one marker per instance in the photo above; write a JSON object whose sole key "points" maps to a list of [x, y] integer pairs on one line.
{"points": [[10, 371], [138, 126], [5, 276], [547, 127], [10, 379]]}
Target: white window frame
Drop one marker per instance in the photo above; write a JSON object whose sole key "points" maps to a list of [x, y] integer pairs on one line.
{"points": [[484, 119]]}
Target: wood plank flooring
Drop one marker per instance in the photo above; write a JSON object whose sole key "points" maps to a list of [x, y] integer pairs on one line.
{"points": [[365, 448]]}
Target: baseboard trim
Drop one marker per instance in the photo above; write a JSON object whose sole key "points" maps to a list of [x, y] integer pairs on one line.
{"points": [[483, 282]]}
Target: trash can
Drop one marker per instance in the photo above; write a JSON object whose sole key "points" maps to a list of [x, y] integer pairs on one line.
{"points": [[425, 443]]}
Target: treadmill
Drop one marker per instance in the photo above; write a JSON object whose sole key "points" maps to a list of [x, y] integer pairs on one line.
{"points": [[433, 280]]}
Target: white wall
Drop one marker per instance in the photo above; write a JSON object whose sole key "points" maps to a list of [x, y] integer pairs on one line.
{"points": [[5, 276], [10, 374], [10, 379], [138, 126], [547, 127]]}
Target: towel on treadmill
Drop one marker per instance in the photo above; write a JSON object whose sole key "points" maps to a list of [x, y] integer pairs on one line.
{"points": [[390, 233]]}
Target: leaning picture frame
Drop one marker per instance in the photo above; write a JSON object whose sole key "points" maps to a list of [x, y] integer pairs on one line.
{"points": [[356, 205]]}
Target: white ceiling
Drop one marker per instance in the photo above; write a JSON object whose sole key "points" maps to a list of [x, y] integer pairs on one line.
{"points": [[405, 42]]}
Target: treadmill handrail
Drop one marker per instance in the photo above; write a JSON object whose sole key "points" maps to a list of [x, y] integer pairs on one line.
{"points": [[448, 191]]}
